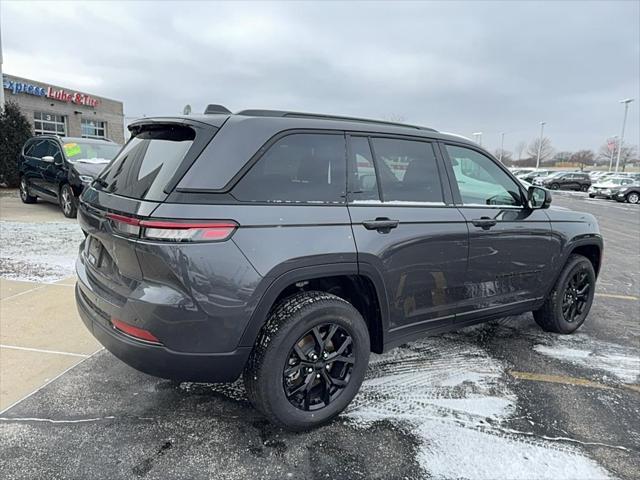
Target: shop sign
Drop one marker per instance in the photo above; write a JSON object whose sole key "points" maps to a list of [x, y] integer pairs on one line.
{"points": [[60, 95]]}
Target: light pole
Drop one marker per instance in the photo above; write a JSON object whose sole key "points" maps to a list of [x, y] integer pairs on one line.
{"points": [[626, 102], [501, 145], [542, 124], [478, 137]]}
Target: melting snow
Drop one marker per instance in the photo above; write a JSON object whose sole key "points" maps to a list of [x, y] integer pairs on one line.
{"points": [[38, 252], [455, 396], [584, 351]]}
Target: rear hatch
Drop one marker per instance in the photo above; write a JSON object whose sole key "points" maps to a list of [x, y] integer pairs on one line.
{"points": [[127, 192]]}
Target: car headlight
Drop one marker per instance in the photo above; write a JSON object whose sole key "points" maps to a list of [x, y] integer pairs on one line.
{"points": [[85, 178]]}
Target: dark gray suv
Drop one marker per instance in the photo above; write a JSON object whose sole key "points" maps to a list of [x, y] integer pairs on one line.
{"points": [[288, 246]]}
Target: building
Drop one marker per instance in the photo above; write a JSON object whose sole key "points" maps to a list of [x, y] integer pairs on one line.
{"points": [[65, 112]]}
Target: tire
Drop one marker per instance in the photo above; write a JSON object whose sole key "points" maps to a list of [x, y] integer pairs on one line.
{"points": [[24, 192], [592, 196], [633, 197], [555, 186], [68, 201], [556, 313], [289, 330], [584, 188]]}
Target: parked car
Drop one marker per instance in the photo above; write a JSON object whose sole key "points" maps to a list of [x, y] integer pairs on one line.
{"points": [[528, 177], [609, 187], [57, 169], [628, 193], [521, 171], [285, 247], [565, 181]]}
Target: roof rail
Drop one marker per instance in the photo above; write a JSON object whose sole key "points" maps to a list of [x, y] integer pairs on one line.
{"points": [[283, 113]]}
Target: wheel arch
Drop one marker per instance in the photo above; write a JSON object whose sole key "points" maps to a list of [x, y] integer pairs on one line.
{"points": [[362, 289]]}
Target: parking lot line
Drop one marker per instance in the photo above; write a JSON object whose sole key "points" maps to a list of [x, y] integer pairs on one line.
{"points": [[41, 350], [562, 379], [619, 297]]}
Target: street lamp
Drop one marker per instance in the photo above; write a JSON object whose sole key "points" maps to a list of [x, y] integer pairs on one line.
{"points": [[478, 137], [626, 102], [501, 145], [542, 124]]}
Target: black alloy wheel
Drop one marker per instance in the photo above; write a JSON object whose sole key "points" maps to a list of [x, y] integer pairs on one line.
{"points": [[318, 367], [24, 192], [576, 296]]}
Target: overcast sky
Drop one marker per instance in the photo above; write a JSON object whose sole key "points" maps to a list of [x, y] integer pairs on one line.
{"points": [[457, 66]]}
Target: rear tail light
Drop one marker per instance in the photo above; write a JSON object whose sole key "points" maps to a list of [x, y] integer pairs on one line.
{"points": [[174, 231], [135, 332]]}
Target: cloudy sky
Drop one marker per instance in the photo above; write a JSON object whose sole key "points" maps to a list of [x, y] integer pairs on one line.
{"points": [[457, 66]]}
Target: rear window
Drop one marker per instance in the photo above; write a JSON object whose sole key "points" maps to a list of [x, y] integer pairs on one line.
{"points": [[147, 162], [299, 168]]}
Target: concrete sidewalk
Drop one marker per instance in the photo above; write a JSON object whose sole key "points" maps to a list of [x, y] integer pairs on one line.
{"points": [[41, 336]]}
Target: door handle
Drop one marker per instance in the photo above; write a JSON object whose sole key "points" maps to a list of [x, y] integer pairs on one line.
{"points": [[484, 222], [381, 224]]}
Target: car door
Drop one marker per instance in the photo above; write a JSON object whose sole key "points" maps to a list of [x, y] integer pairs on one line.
{"points": [[34, 166], [407, 231], [510, 245], [54, 172]]}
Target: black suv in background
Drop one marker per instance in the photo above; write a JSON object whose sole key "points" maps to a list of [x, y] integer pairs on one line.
{"points": [[288, 246], [565, 181], [57, 169]]}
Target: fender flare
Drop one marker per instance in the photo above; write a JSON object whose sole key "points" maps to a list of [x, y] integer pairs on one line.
{"points": [[278, 284], [590, 239]]}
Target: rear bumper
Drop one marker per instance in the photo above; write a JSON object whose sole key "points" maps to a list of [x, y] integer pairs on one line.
{"points": [[157, 360]]}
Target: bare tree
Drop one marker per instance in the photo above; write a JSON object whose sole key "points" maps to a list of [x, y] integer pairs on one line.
{"points": [[583, 158], [627, 155], [520, 147], [506, 156], [546, 151]]}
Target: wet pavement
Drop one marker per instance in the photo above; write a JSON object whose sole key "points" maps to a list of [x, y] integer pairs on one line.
{"points": [[500, 400]]}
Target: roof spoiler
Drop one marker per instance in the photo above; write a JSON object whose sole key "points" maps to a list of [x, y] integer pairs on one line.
{"points": [[213, 109]]}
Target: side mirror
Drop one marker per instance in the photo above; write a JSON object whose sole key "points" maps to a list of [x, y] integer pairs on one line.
{"points": [[538, 197], [48, 159]]}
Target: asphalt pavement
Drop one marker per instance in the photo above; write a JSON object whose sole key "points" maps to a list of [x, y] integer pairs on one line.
{"points": [[500, 400]]}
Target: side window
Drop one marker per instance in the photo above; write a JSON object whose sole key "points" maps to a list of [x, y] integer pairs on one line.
{"points": [[480, 180], [298, 168], [364, 185], [54, 151], [408, 171], [28, 147], [40, 149]]}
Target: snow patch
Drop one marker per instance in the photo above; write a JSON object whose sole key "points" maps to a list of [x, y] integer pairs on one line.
{"points": [[38, 252], [586, 352], [454, 396]]}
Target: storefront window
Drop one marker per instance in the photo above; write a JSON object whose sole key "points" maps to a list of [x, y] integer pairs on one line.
{"points": [[49, 124], [94, 129]]}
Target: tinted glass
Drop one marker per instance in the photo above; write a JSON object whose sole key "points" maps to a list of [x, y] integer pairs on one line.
{"points": [[408, 171], [363, 181], [298, 168], [147, 162], [480, 180], [40, 149]]}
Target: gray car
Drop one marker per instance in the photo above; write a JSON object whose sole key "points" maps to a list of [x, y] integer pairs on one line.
{"points": [[285, 247]]}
